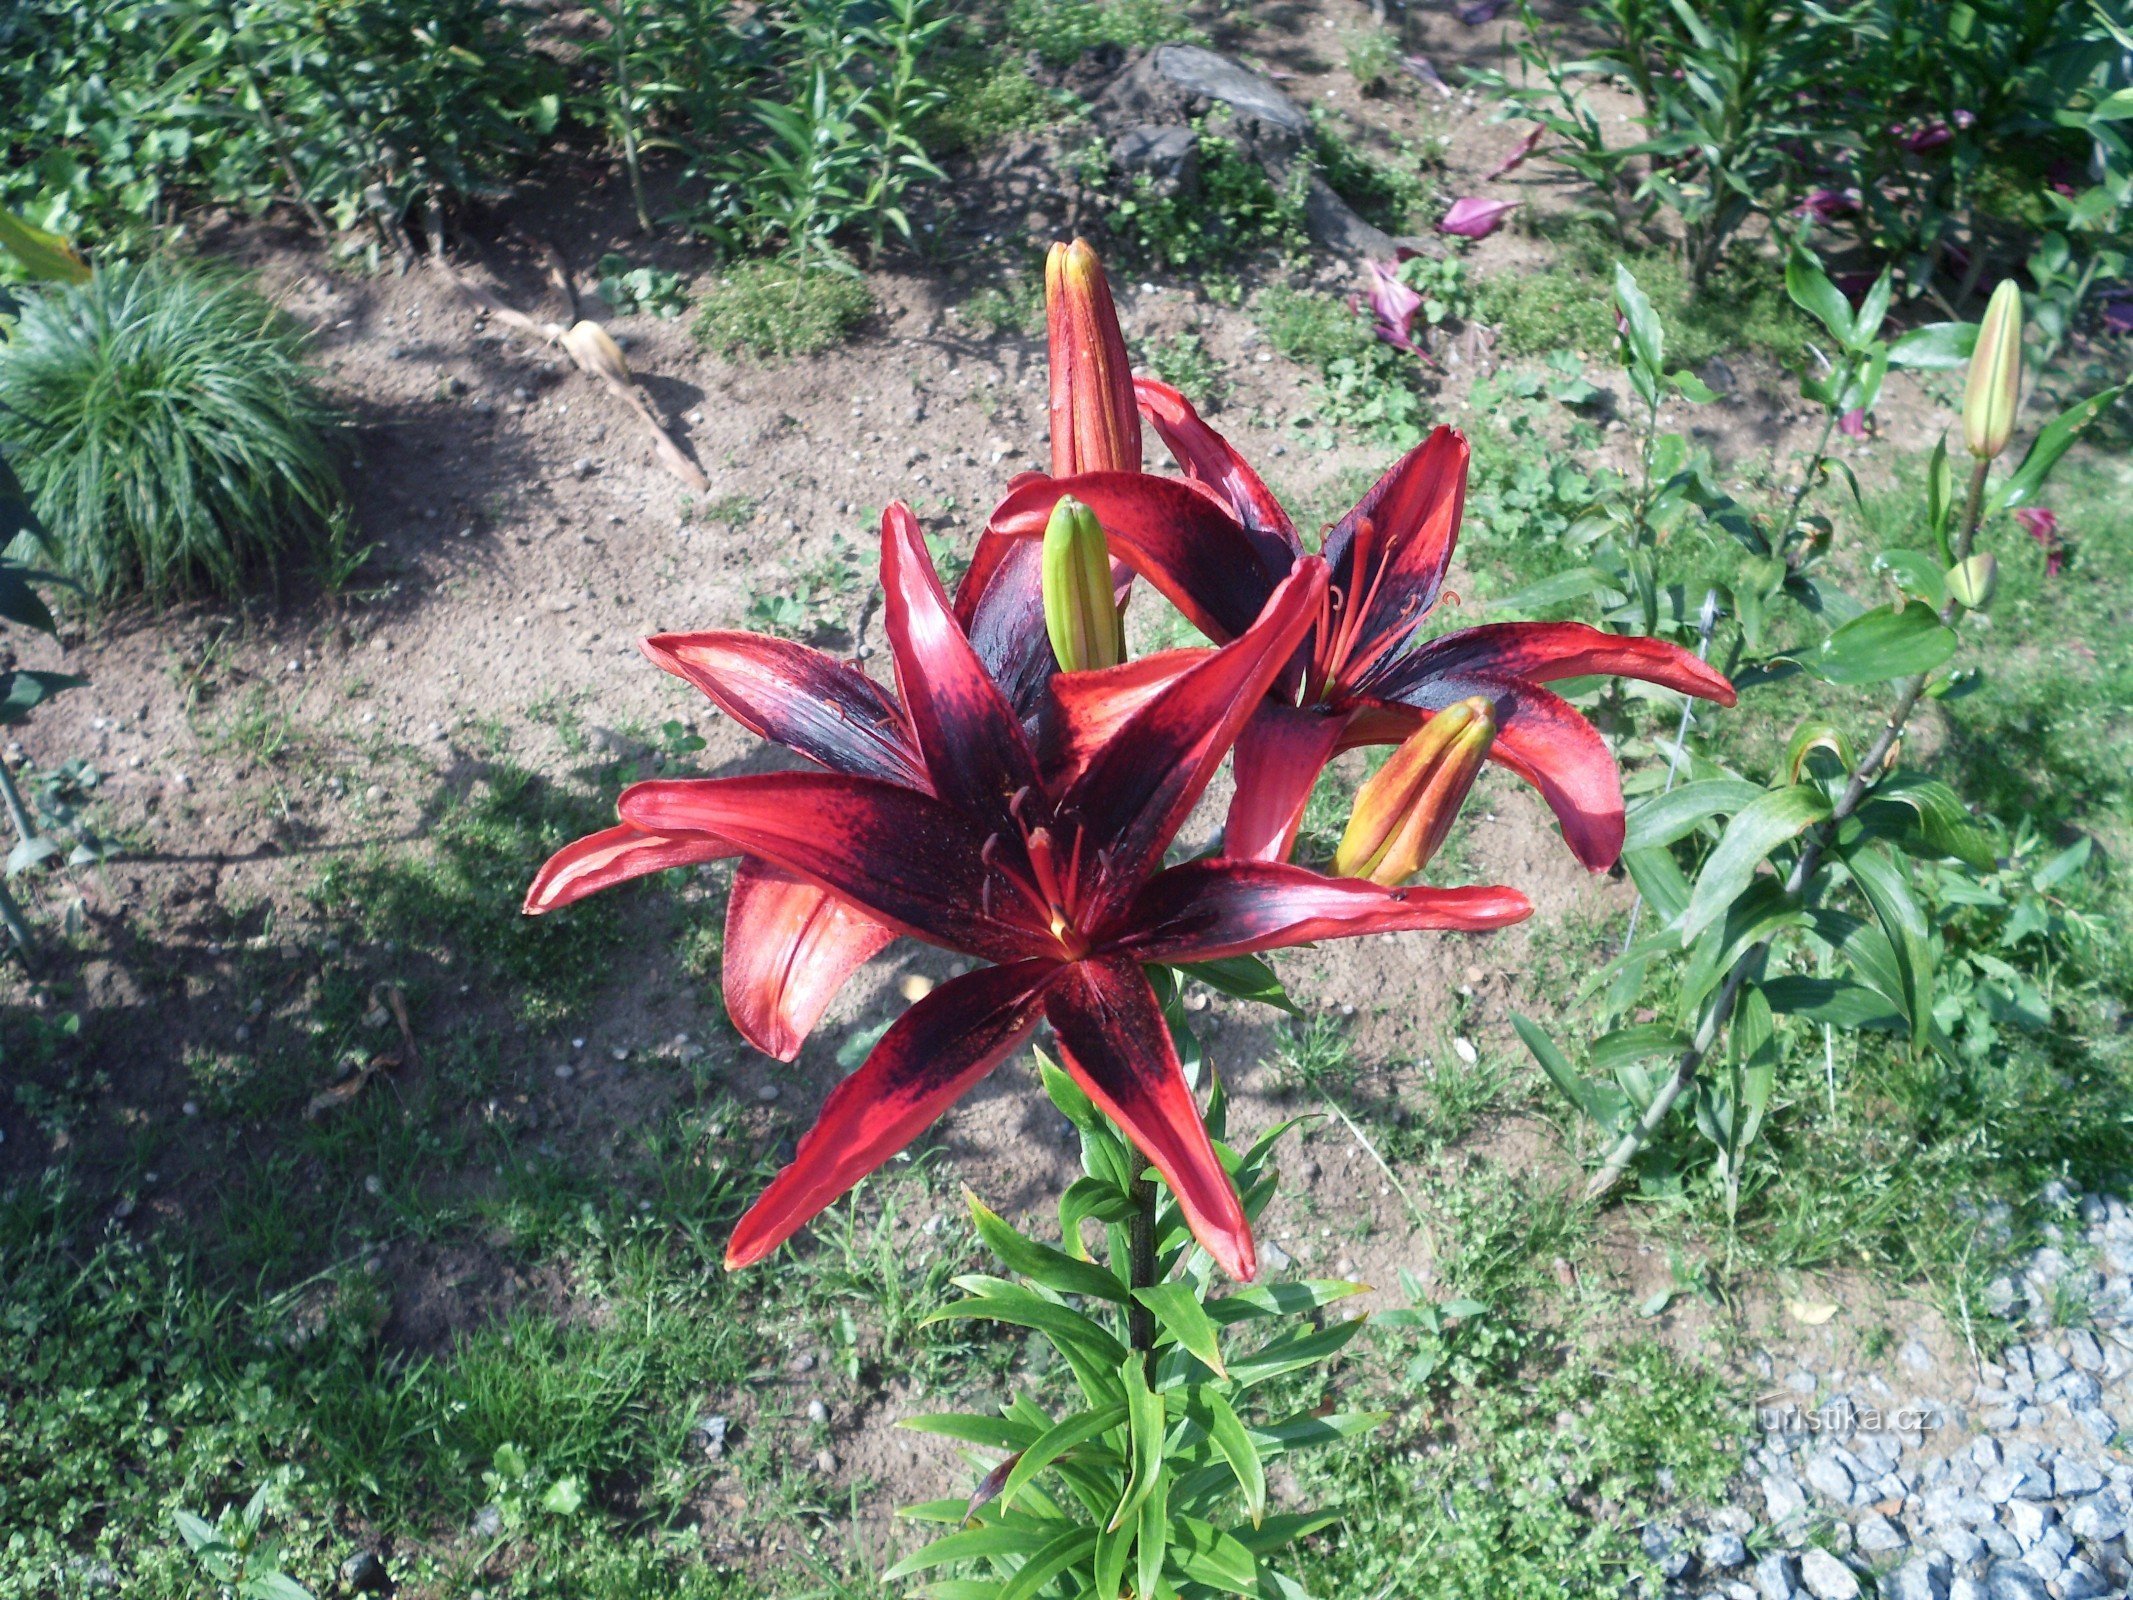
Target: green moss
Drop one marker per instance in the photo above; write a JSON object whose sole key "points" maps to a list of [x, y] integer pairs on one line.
{"points": [[773, 310]]}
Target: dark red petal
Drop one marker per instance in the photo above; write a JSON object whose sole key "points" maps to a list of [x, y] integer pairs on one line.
{"points": [[970, 736], [615, 855], [1396, 573], [1280, 754], [903, 857], [1000, 605], [1087, 709], [1544, 651], [1177, 535], [1204, 910], [789, 947], [808, 701], [1208, 458], [1139, 787], [925, 1062], [1539, 736], [1113, 1042]]}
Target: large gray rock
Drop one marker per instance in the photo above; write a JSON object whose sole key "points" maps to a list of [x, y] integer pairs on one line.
{"points": [[1176, 85], [1169, 158], [1921, 1578], [1828, 1479], [2009, 1580]]}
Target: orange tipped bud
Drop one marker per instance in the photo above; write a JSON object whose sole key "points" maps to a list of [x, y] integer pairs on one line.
{"points": [[1995, 387], [1096, 423], [1403, 813], [1080, 613]]}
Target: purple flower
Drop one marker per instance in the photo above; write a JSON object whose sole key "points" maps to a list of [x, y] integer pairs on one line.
{"points": [[1481, 11], [1393, 305], [2043, 526], [2117, 310], [1472, 217], [1826, 205], [1852, 424], [1517, 158]]}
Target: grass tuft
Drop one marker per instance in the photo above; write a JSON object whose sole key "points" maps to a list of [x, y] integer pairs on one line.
{"points": [[165, 424], [773, 310]]}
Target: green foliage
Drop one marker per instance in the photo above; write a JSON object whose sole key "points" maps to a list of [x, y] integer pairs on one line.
{"points": [[775, 310], [1185, 363], [353, 112], [1363, 384], [1060, 31], [632, 290], [1016, 308], [1373, 60], [1394, 195], [987, 97], [169, 432], [1236, 210], [1156, 1477]]}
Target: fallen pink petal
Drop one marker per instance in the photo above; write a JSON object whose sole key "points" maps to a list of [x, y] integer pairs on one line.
{"points": [[1482, 11], [1419, 66], [2042, 525], [1853, 424], [1472, 217], [1826, 205], [1393, 305], [1517, 157]]}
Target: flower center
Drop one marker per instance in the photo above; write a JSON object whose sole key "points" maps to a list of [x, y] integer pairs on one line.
{"points": [[1047, 877], [1340, 615]]}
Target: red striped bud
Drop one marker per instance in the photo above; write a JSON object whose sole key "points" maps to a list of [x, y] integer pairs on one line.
{"points": [[1403, 813]]}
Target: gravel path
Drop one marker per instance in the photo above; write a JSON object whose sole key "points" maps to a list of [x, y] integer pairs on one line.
{"points": [[2013, 1487]]}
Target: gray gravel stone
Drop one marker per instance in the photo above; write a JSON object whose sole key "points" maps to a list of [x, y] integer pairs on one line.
{"points": [[1777, 1576], [2095, 1521], [1826, 1577], [1723, 1550], [2005, 1580], [1921, 1578], [1783, 1499], [1962, 1546], [1828, 1479], [1877, 1536], [2072, 1479], [2027, 1520]]}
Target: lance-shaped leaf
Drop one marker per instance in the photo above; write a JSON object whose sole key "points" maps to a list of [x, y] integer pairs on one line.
{"points": [[1040, 1263], [1176, 1306], [1759, 828], [1068, 1434], [1148, 1423]]}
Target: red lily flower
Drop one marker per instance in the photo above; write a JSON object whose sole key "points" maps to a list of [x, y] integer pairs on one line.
{"points": [[941, 820], [1217, 543]]}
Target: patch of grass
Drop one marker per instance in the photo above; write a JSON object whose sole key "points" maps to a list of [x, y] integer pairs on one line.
{"points": [[1569, 305], [458, 898], [1373, 60], [167, 428], [1393, 195], [1017, 308], [1364, 384], [1060, 31], [1185, 363], [991, 96], [1313, 1055], [775, 310]]}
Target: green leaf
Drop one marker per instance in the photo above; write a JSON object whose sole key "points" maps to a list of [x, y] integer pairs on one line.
{"points": [[1940, 345], [1243, 978], [1758, 829], [20, 603], [1048, 1562], [1113, 1546], [997, 1432], [1575, 1088], [23, 691], [1666, 817], [1040, 1263], [1944, 824], [1881, 644], [1873, 307], [1813, 293], [1255, 1300], [1206, 1406], [1010, 1536], [197, 1532], [1659, 878], [1007, 1302], [1149, 1421], [1207, 1555], [1646, 338], [1090, 1197], [1290, 1351], [1177, 1307], [1076, 1430], [1152, 1537], [1284, 1529], [1833, 1001], [565, 1497], [1880, 879], [2046, 449], [273, 1586]]}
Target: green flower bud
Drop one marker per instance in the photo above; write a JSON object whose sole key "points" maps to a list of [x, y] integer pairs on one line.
{"points": [[1079, 612], [1995, 387], [1972, 581]]}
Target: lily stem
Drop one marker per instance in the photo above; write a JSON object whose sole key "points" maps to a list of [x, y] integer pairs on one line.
{"points": [[1796, 884], [1140, 1234]]}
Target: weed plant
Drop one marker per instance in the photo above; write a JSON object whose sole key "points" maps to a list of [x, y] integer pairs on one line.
{"points": [[167, 428], [777, 309]]}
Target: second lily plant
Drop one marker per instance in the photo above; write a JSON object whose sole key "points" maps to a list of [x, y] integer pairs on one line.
{"points": [[1014, 796]]}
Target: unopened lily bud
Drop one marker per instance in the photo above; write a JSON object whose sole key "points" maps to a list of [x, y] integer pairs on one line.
{"points": [[1973, 579], [1403, 813], [1079, 612], [1096, 422], [1995, 387]]}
